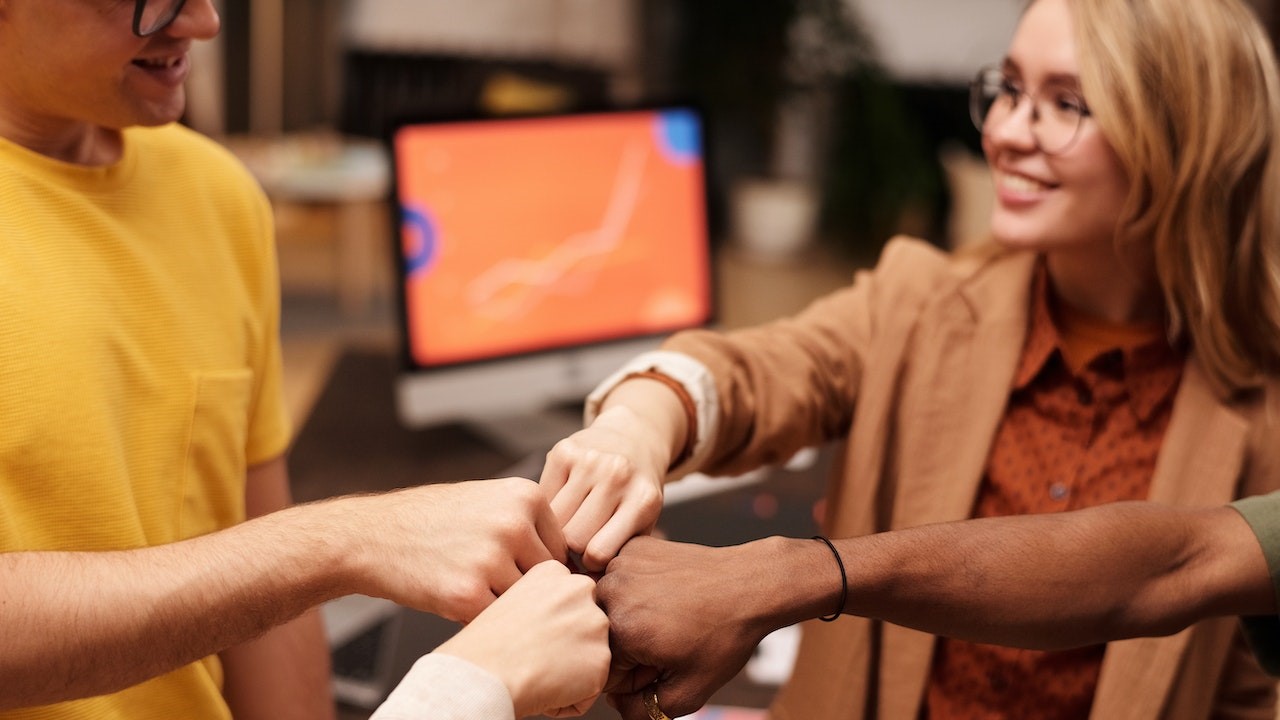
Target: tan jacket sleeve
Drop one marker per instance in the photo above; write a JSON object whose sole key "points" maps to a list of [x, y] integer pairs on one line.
{"points": [[793, 383], [1245, 691]]}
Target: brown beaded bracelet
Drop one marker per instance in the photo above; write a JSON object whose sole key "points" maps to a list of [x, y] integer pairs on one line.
{"points": [[690, 410]]}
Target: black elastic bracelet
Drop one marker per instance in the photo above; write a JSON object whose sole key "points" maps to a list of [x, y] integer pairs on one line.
{"points": [[844, 582]]}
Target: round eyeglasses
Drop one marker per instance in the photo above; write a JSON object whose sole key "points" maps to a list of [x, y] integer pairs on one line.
{"points": [[152, 16], [1057, 112]]}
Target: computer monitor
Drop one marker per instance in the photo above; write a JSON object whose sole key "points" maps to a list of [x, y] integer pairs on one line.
{"points": [[538, 254]]}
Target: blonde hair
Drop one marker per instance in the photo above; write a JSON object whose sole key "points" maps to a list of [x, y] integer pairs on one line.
{"points": [[1186, 92]]}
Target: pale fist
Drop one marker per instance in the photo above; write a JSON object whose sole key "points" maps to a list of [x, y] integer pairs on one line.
{"points": [[450, 549], [545, 638], [605, 484]]}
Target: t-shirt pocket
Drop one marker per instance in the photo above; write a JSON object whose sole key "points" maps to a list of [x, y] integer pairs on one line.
{"points": [[214, 472]]}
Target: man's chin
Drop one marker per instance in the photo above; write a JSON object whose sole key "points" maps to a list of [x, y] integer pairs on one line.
{"points": [[155, 114]]}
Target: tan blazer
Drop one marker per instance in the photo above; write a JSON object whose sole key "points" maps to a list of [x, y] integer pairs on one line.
{"points": [[913, 364]]}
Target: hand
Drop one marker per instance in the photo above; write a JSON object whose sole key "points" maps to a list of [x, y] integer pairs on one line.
{"points": [[449, 549], [545, 638], [684, 615], [605, 483]]}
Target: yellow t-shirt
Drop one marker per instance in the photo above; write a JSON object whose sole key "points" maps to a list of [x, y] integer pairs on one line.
{"points": [[139, 364]]}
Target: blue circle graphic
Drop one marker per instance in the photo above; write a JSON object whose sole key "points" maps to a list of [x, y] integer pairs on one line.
{"points": [[680, 136], [416, 221]]}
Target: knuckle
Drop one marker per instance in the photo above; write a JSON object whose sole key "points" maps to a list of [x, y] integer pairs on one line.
{"points": [[523, 491], [578, 585], [597, 556], [564, 449], [605, 588], [608, 464], [648, 496], [593, 550], [614, 569], [468, 597], [550, 568], [600, 677], [620, 465], [508, 527], [577, 540], [601, 623]]}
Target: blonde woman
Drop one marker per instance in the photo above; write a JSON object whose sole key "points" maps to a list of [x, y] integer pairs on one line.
{"points": [[1119, 341]]}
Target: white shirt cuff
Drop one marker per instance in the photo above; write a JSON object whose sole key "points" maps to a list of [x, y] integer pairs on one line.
{"points": [[445, 687], [696, 380]]}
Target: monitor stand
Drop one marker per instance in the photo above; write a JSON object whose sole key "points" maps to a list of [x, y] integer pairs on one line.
{"points": [[527, 437]]}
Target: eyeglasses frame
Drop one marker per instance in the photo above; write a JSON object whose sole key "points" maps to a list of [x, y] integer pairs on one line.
{"points": [[140, 6], [976, 97]]}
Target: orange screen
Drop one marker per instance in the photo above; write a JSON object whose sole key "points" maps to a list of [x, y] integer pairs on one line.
{"points": [[533, 234]]}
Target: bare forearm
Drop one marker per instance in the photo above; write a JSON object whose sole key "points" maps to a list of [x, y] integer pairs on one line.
{"points": [[692, 614], [1055, 581], [282, 675], [80, 624]]}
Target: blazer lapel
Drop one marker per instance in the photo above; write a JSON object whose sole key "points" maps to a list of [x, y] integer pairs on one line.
{"points": [[1137, 675], [955, 395]]}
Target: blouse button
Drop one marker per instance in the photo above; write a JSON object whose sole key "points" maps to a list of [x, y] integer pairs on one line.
{"points": [[1084, 395]]}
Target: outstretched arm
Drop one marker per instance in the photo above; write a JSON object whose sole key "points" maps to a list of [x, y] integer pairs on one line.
{"points": [[1063, 580], [692, 615], [79, 624]]}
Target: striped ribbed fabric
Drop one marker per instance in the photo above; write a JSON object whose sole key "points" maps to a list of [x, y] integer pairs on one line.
{"points": [[139, 364]]}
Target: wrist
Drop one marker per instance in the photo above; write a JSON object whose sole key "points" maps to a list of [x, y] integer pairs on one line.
{"points": [[844, 580], [640, 405], [318, 535], [470, 690], [683, 424], [492, 661], [797, 580]]}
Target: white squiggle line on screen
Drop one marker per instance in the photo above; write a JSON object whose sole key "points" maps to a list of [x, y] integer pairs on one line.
{"points": [[543, 277]]}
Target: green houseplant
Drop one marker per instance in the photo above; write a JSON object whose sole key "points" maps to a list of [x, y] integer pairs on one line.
{"points": [[796, 100]]}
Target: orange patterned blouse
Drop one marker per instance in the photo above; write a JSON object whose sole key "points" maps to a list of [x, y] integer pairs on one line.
{"points": [[1084, 424]]}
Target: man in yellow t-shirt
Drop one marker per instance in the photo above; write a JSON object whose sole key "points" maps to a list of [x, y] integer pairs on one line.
{"points": [[149, 564]]}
